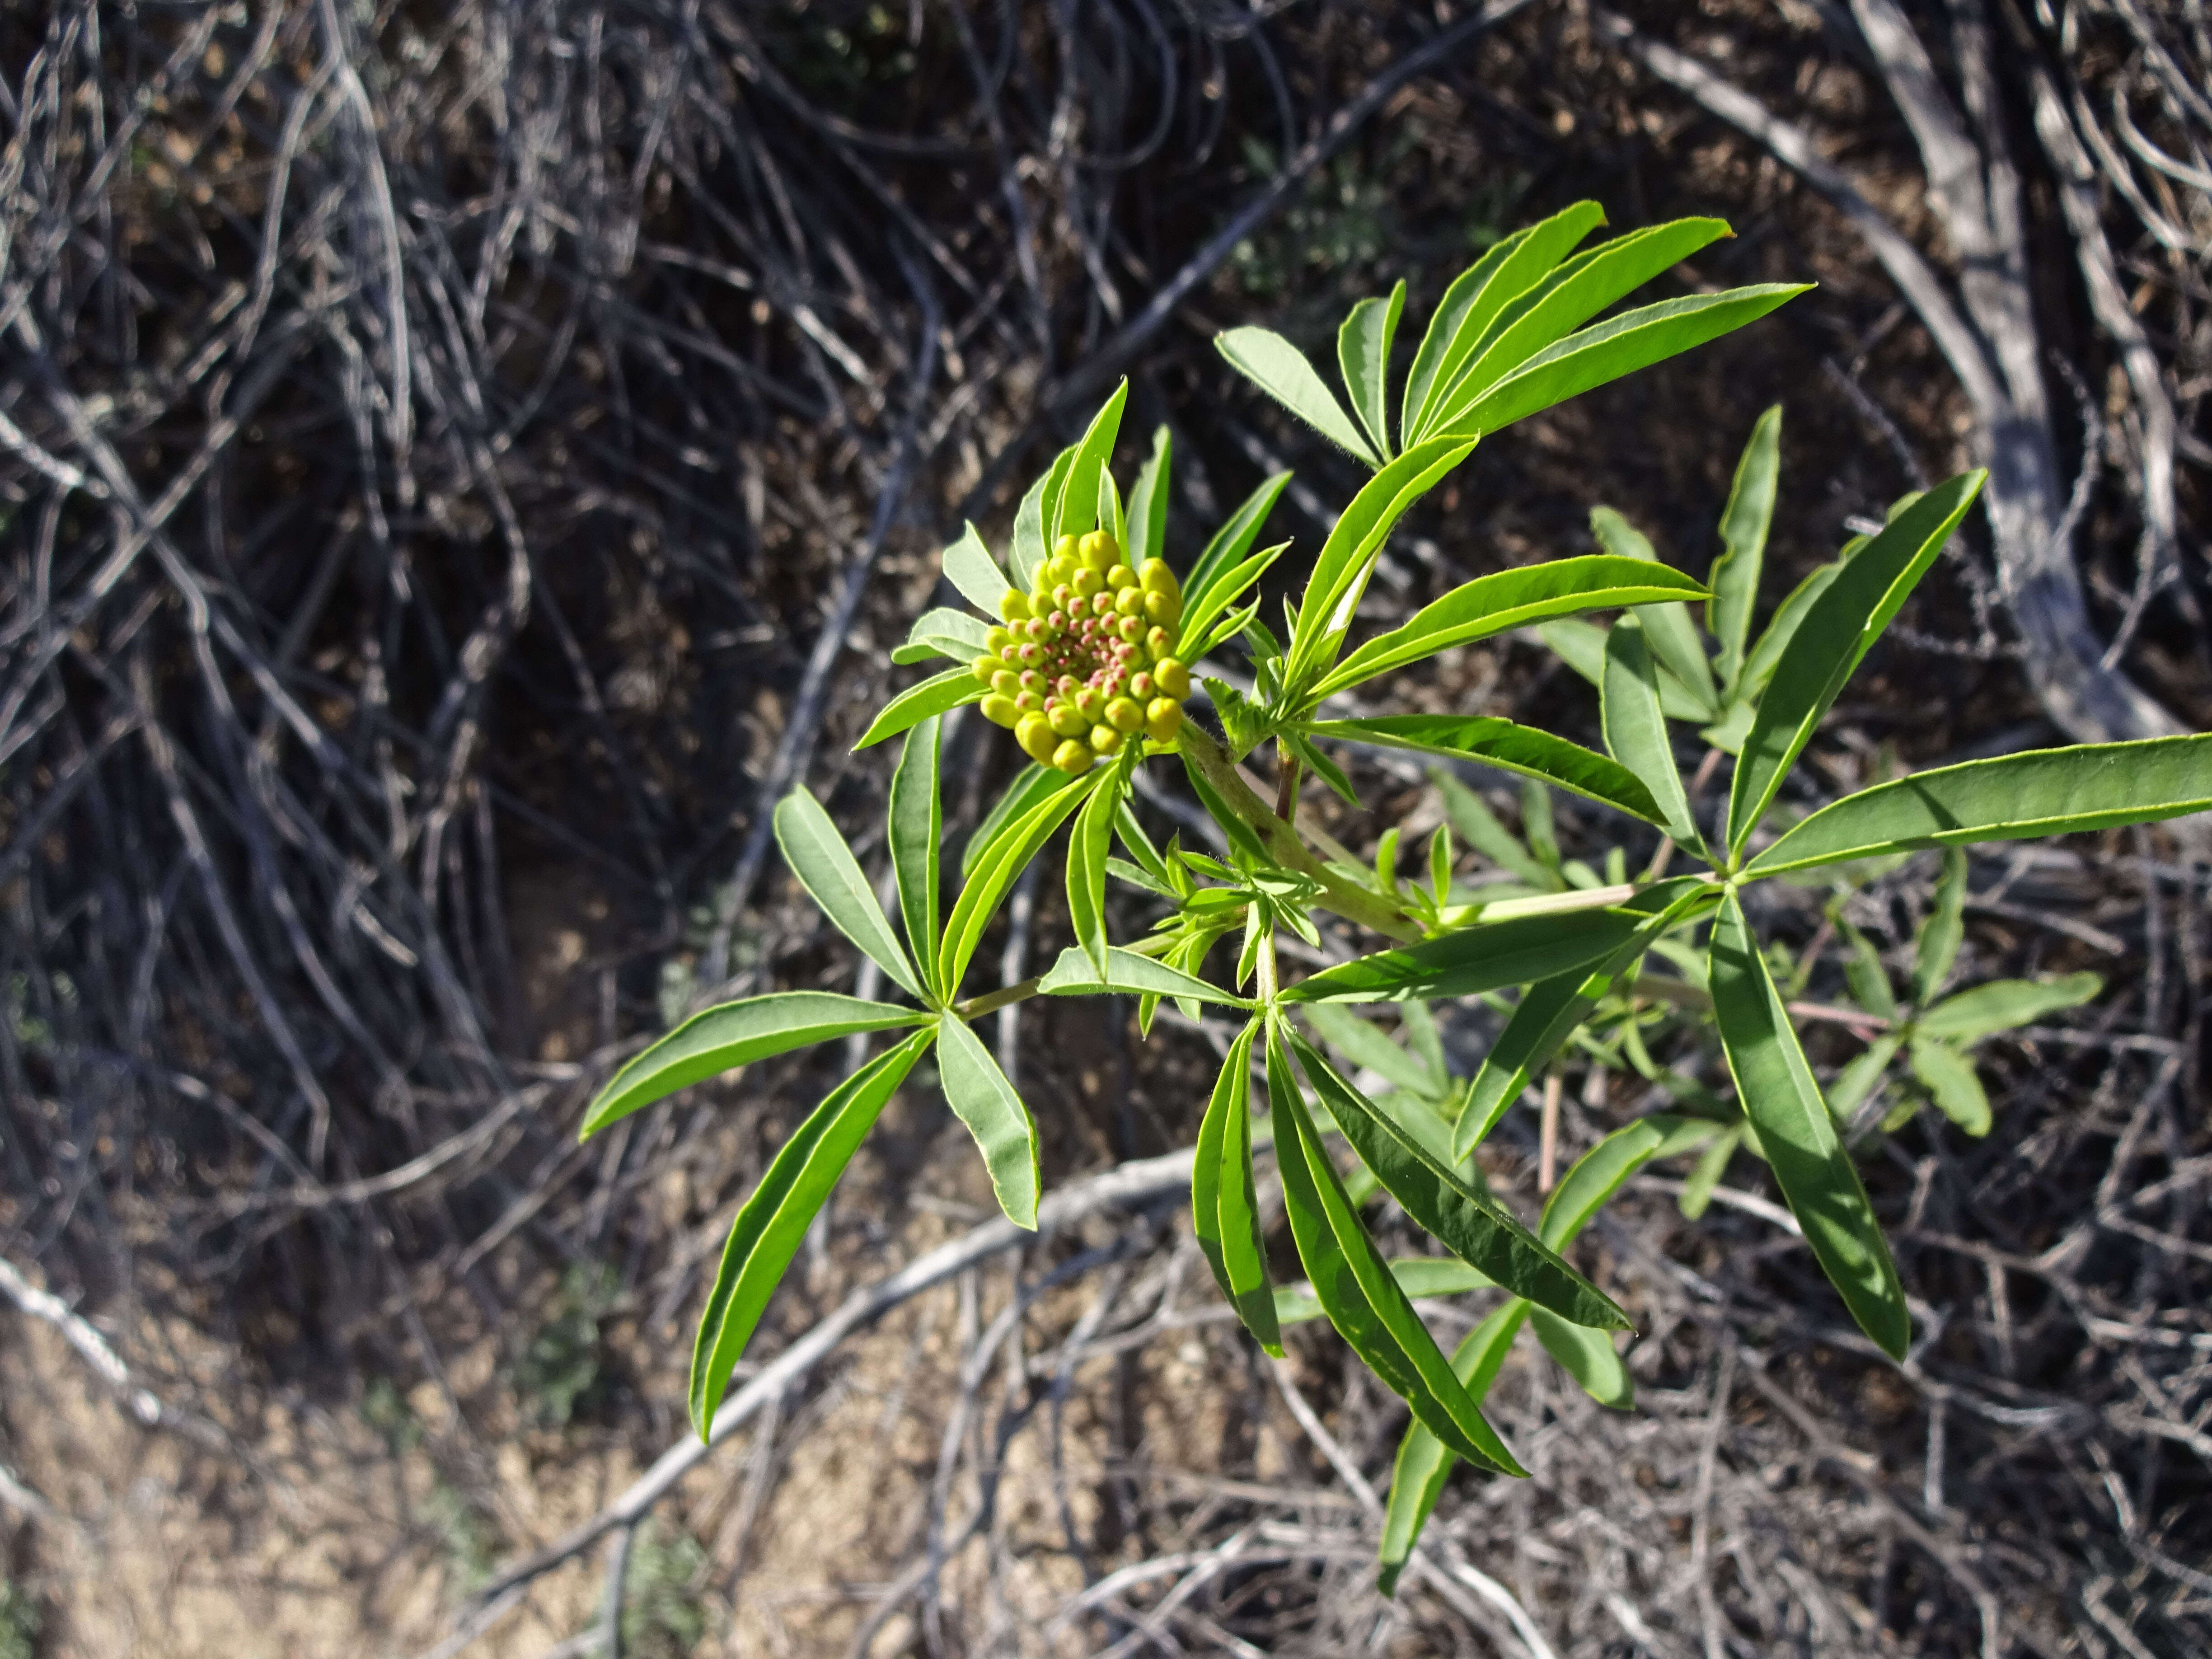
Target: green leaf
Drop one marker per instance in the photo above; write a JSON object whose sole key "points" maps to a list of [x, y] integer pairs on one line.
{"points": [[1079, 502], [1348, 557], [1570, 297], [1948, 1077], [1469, 960], [2003, 1003], [970, 567], [1473, 1226], [1864, 973], [1130, 974], [1536, 826], [1086, 869], [1634, 340], [1581, 645], [1600, 1172], [1636, 729], [1356, 1290], [1280, 370], [944, 632], [1706, 1173], [1417, 1275], [917, 826], [1363, 352], [1744, 522], [1362, 1044], [1417, 1479], [1673, 636], [1471, 815], [1227, 549], [1509, 600], [817, 855], [1301, 744], [1221, 593], [1224, 1152], [1760, 665], [1148, 505], [1030, 785], [719, 1039], [939, 694], [1110, 516], [994, 872], [1463, 317], [1006, 1134], [1031, 545], [1798, 1135], [1838, 630], [1859, 1077], [2045, 792], [1493, 741], [1205, 1161], [1587, 1356], [773, 1220], [1945, 927]]}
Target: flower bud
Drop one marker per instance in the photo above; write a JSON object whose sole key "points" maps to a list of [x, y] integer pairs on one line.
{"points": [[1124, 714], [1000, 711], [1160, 642], [1140, 687], [1154, 577], [1099, 552], [1165, 609], [1131, 628], [1066, 548], [1058, 568], [1120, 576], [1090, 701], [1129, 602], [1172, 678], [1087, 582], [997, 639], [1029, 702], [1068, 720], [986, 669], [1006, 681], [1163, 720], [1035, 737], [1074, 757], [1105, 739], [1012, 606]]}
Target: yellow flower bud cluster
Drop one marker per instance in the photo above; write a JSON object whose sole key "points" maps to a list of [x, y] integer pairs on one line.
{"points": [[1086, 659]]}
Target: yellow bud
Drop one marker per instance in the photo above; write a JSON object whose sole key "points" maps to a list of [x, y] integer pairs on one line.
{"points": [[1012, 606], [1165, 609], [1089, 702], [1125, 713], [1029, 702], [1154, 577], [1105, 739], [1075, 756], [1067, 547], [1163, 720], [1058, 568], [1131, 628], [1068, 720], [1120, 576], [1129, 602], [1172, 678], [1006, 681], [997, 640], [1099, 552], [986, 668], [1000, 711], [1035, 736]]}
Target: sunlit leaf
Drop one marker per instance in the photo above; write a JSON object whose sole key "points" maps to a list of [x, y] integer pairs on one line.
{"points": [[940, 694], [982, 1099], [970, 566], [1494, 741], [1078, 501], [1148, 505], [2004, 1004], [1744, 522], [1671, 635], [1363, 352], [1280, 370], [817, 855], [917, 826], [1636, 728]]}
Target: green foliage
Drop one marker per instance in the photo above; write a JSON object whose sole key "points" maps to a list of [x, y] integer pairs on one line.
{"points": [[1655, 975], [562, 1368], [664, 1615], [21, 1619]]}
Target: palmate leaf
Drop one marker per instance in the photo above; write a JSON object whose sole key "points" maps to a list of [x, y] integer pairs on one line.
{"points": [[1798, 1135], [1363, 352], [1364, 1046], [1509, 600], [1476, 298], [1357, 1290], [1494, 741], [917, 825], [1348, 557], [982, 1099], [1227, 588], [825, 867], [1744, 524], [1569, 297], [940, 694], [2045, 792], [1225, 1200], [771, 1222], [1469, 814], [1837, 631], [1487, 957], [1621, 345], [1280, 370], [1474, 1226], [719, 1039], [1423, 1461]]}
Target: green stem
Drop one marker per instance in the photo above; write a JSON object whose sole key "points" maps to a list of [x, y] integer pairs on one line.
{"points": [[992, 1002], [1281, 840]]}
